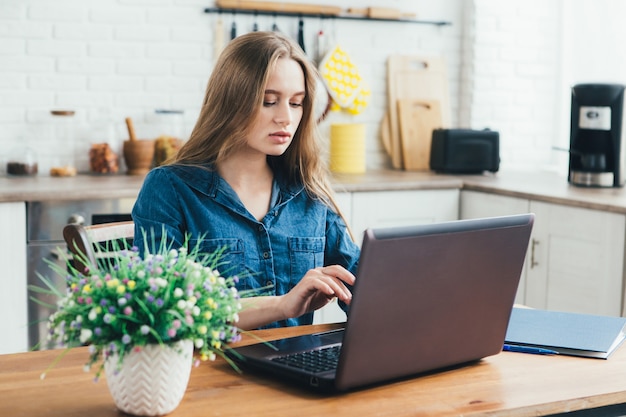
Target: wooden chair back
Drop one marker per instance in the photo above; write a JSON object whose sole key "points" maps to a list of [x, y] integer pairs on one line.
{"points": [[90, 242]]}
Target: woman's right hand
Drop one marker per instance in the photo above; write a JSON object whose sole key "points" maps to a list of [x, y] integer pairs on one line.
{"points": [[317, 288]]}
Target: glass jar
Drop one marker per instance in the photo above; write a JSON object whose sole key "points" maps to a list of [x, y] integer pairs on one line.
{"points": [[22, 161], [171, 134], [104, 148], [62, 135]]}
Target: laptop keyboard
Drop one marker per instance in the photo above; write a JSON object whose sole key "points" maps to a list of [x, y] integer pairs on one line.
{"points": [[318, 360]]}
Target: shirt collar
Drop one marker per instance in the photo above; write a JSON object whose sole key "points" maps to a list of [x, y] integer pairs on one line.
{"points": [[206, 180]]}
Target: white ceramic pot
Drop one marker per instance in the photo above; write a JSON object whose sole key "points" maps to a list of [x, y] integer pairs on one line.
{"points": [[152, 381]]}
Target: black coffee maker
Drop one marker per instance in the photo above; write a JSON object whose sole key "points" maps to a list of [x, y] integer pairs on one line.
{"points": [[596, 154]]}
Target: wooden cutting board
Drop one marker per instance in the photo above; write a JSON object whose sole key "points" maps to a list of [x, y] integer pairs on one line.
{"points": [[385, 133], [414, 77], [417, 119]]}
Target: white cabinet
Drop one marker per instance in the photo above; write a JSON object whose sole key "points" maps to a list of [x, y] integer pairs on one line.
{"points": [[13, 297], [476, 204], [402, 208], [575, 259], [388, 209]]}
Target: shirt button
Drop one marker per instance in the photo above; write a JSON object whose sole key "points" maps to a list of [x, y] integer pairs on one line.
{"points": [[260, 228], [266, 255], [269, 284]]}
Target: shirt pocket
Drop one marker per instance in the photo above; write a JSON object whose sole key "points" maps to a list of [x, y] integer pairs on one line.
{"points": [[305, 253], [232, 261]]}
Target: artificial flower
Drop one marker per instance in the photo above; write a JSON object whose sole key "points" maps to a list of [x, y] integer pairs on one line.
{"points": [[129, 301]]}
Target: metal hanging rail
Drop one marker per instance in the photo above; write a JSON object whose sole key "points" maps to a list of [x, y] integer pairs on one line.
{"points": [[220, 10]]}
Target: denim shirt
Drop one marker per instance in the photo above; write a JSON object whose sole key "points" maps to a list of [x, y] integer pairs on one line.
{"points": [[297, 234]]}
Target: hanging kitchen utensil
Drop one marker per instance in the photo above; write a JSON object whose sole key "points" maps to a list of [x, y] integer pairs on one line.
{"points": [[320, 46], [301, 34], [323, 101], [361, 100], [341, 77], [274, 25], [233, 29], [255, 24]]}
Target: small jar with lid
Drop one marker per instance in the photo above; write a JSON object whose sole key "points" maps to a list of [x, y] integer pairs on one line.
{"points": [[104, 149], [22, 161], [170, 137], [62, 134]]}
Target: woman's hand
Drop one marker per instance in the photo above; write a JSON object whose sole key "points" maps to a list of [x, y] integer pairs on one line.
{"points": [[317, 288]]}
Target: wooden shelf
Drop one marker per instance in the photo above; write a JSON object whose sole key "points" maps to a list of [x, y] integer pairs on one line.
{"points": [[219, 10]]}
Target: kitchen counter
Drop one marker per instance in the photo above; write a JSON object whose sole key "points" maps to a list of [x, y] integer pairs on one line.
{"points": [[548, 187], [87, 187], [80, 187], [541, 186]]}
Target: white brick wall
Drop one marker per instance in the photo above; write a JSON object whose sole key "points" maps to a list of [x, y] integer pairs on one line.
{"points": [[515, 48], [124, 58], [510, 66]]}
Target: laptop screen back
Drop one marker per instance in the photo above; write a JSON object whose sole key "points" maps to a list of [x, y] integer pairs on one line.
{"points": [[431, 296]]}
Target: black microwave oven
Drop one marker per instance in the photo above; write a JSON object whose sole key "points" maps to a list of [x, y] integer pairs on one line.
{"points": [[465, 151]]}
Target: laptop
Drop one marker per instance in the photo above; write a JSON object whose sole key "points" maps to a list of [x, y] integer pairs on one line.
{"points": [[426, 298]]}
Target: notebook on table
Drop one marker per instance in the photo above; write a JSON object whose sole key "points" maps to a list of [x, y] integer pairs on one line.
{"points": [[567, 333], [426, 298]]}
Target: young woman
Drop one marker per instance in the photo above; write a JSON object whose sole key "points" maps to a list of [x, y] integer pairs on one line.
{"points": [[251, 179]]}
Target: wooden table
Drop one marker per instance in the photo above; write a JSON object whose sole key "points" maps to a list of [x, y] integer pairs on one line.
{"points": [[511, 384]]}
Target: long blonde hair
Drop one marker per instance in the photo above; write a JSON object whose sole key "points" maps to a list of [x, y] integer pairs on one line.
{"points": [[234, 96]]}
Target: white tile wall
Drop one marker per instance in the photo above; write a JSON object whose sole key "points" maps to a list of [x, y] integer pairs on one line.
{"points": [[510, 65], [514, 74], [119, 58]]}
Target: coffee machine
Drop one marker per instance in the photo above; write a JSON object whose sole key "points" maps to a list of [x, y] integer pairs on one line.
{"points": [[596, 154]]}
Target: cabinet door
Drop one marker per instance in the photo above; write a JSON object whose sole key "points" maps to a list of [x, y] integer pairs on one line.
{"points": [[577, 260], [402, 208], [475, 204], [13, 297]]}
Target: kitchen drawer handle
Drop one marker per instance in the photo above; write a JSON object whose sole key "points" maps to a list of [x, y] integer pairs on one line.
{"points": [[533, 263]]}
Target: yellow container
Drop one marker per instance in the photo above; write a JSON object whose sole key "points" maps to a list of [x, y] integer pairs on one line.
{"points": [[347, 148]]}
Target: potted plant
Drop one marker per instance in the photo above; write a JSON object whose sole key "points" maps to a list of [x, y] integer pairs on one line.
{"points": [[143, 316]]}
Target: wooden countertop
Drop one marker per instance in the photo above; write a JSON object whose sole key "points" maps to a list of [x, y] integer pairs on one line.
{"points": [[541, 186], [80, 187], [548, 187], [85, 187], [511, 384]]}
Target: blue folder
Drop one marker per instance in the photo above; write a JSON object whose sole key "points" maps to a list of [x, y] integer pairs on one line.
{"points": [[576, 334]]}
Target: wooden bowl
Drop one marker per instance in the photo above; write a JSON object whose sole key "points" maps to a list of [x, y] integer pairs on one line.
{"points": [[138, 155]]}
